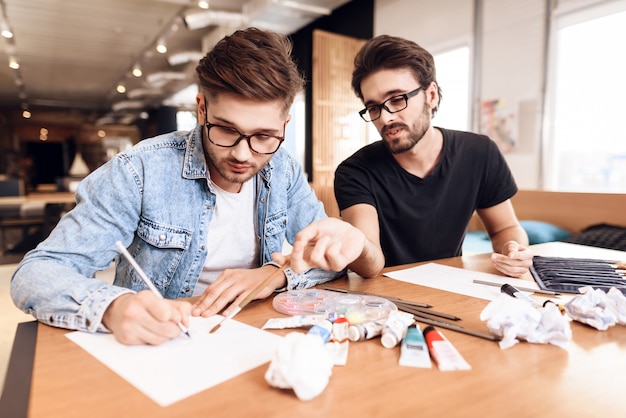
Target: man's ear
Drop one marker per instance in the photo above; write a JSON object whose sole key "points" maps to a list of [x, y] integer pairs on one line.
{"points": [[200, 106], [432, 95]]}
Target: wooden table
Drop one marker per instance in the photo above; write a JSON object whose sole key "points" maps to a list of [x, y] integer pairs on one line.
{"points": [[587, 379]]}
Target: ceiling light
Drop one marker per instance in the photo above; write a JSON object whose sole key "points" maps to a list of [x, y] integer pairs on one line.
{"points": [[121, 88], [203, 4], [26, 114], [13, 63], [137, 71], [161, 47], [6, 30]]}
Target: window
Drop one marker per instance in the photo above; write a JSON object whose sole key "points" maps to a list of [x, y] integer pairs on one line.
{"points": [[585, 134], [453, 78], [186, 120]]}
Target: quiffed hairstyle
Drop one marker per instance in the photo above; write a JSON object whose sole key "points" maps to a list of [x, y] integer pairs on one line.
{"points": [[252, 63], [386, 52]]}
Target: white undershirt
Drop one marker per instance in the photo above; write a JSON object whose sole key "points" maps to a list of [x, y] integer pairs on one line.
{"points": [[231, 240]]}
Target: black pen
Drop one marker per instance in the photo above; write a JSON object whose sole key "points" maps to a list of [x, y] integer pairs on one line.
{"points": [[516, 293], [525, 289]]}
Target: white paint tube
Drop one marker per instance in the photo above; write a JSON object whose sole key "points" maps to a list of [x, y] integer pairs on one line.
{"points": [[395, 328]]}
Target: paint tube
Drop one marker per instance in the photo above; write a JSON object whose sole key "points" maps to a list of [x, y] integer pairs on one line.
{"points": [[443, 352], [322, 330], [395, 328], [365, 330], [414, 351]]}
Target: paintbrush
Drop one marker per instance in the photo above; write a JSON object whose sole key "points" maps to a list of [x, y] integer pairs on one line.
{"points": [[251, 296], [391, 299], [455, 327], [425, 312]]}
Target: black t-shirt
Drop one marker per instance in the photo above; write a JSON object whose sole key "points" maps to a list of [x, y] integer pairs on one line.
{"points": [[426, 219]]}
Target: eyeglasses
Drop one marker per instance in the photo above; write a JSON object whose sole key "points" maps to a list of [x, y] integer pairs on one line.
{"points": [[392, 105], [224, 136], [227, 137]]}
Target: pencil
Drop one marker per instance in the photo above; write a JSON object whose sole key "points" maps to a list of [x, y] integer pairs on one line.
{"points": [[425, 311], [523, 289], [455, 327], [251, 296], [146, 280]]}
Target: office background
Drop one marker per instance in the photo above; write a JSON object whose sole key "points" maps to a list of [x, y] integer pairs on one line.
{"points": [[511, 61]]}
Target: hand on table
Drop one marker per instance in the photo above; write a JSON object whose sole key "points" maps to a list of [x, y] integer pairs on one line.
{"points": [[144, 318], [514, 261], [233, 285]]}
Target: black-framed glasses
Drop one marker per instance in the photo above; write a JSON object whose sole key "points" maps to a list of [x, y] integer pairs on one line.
{"points": [[227, 137], [392, 105]]}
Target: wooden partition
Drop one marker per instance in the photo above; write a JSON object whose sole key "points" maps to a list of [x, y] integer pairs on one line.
{"points": [[568, 210], [338, 130]]}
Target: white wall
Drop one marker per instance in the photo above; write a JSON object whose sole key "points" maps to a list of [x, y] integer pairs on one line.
{"points": [[510, 42]]}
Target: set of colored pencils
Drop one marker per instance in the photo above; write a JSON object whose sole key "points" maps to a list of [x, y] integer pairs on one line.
{"points": [[558, 273]]}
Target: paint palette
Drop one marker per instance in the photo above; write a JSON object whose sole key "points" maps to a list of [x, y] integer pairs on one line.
{"points": [[356, 308]]}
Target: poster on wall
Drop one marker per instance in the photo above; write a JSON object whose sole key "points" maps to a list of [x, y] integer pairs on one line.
{"points": [[499, 122]]}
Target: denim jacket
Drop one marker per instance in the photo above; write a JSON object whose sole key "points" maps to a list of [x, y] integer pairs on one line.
{"points": [[157, 200]]}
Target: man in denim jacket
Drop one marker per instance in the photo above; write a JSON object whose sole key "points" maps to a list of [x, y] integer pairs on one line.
{"points": [[202, 212]]}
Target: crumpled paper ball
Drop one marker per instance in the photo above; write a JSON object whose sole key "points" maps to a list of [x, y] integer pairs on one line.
{"points": [[598, 309], [300, 363], [514, 319]]}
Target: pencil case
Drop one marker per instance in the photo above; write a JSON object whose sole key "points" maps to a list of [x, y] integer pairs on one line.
{"points": [[567, 275]]}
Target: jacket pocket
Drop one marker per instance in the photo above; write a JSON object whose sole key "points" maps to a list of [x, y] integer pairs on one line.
{"points": [[275, 227], [159, 251]]}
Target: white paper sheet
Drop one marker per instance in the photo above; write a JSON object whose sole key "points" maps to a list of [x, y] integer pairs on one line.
{"points": [[184, 366], [456, 280]]}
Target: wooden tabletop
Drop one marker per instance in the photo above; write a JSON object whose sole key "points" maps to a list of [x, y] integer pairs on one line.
{"points": [[37, 197], [586, 379]]}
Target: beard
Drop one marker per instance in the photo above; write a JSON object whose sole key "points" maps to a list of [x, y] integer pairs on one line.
{"points": [[224, 166], [411, 136]]}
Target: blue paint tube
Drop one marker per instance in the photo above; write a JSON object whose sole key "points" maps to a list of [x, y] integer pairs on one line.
{"points": [[322, 330], [414, 351]]}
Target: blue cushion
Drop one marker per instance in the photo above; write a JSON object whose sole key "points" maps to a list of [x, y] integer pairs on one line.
{"points": [[476, 242], [539, 232]]}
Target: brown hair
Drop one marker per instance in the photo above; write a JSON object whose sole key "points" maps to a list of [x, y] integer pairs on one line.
{"points": [[252, 63], [389, 52]]}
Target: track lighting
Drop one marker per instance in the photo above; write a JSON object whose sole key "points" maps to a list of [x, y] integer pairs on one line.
{"points": [[137, 71]]}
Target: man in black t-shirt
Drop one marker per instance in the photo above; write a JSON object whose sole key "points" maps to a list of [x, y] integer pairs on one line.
{"points": [[414, 192]]}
